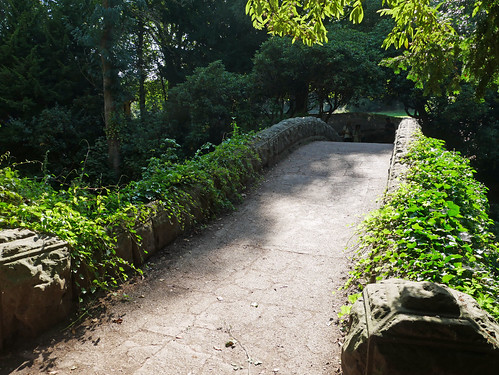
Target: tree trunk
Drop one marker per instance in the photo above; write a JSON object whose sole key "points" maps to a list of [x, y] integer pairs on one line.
{"points": [[301, 100], [142, 74], [163, 90], [111, 125]]}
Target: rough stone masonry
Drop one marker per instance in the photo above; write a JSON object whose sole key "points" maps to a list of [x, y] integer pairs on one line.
{"points": [[402, 327], [35, 283]]}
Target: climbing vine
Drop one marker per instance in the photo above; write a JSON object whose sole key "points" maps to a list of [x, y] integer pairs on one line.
{"points": [[435, 227]]}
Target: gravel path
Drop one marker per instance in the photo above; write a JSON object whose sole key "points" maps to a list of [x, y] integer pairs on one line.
{"points": [[251, 294]]}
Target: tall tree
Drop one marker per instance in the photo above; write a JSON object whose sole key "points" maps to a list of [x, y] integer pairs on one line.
{"points": [[45, 90], [334, 74], [192, 33], [105, 33], [108, 83]]}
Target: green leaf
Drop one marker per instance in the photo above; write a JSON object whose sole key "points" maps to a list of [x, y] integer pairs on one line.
{"points": [[344, 310], [447, 278]]}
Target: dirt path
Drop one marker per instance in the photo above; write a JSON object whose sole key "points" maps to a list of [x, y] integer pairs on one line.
{"points": [[251, 294]]}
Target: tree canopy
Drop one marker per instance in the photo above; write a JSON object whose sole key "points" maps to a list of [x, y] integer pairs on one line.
{"points": [[103, 85], [443, 43]]}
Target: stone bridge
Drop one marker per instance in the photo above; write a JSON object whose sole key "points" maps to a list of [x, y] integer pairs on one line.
{"points": [[252, 292]]}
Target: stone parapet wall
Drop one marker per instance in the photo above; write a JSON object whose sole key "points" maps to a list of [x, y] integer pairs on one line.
{"points": [[373, 127], [271, 144], [405, 134], [279, 139]]}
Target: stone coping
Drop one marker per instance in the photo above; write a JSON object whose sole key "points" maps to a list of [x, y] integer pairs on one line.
{"points": [[405, 134]]}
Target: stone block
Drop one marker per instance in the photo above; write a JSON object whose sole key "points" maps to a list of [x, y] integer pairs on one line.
{"points": [[166, 228], [35, 283], [146, 246], [403, 327], [124, 246]]}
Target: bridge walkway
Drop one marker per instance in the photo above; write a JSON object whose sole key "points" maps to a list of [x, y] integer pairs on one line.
{"points": [[252, 293]]}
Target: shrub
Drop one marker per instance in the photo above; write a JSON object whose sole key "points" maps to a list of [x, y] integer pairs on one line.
{"points": [[203, 107]]}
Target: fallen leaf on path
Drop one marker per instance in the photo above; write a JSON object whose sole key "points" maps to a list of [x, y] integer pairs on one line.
{"points": [[117, 321]]}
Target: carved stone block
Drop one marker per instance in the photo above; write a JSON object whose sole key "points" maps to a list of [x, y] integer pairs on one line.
{"points": [[35, 283], [406, 328]]}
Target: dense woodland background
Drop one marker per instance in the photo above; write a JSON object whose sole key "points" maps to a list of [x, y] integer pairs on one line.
{"points": [[99, 89]]}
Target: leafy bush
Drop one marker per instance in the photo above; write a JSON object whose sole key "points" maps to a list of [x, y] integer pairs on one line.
{"points": [[58, 134], [76, 215], [218, 176], [469, 125], [203, 107], [434, 228]]}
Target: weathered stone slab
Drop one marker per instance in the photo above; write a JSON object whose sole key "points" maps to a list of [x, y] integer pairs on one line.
{"points": [[35, 283], [8, 235], [166, 228], [406, 328]]}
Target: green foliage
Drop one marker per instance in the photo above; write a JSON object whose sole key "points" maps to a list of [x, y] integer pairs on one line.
{"points": [[57, 134], [41, 63], [88, 218], [431, 44], [334, 74], [471, 126], [280, 75], [304, 20], [76, 215], [193, 33], [217, 177], [443, 42], [347, 68], [203, 107], [483, 54], [435, 227], [48, 101]]}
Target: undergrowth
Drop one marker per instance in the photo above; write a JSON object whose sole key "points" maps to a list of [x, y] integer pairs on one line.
{"points": [[87, 218], [435, 227]]}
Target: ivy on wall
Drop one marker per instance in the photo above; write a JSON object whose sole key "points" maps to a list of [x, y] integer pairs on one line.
{"points": [[435, 227]]}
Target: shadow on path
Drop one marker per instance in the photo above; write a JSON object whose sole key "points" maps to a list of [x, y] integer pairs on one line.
{"points": [[252, 291]]}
